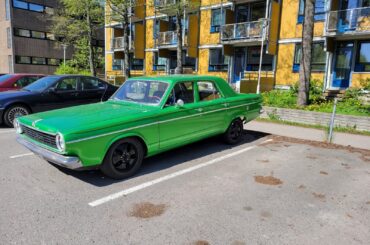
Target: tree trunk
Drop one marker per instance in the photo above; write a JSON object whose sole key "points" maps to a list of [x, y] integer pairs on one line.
{"points": [[91, 48], [126, 45], [179, 69], [305, 66]]}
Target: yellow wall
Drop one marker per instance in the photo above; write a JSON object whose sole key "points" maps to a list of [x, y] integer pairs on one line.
{"points": [[149, 33], [357, 77], [284, 69], [206, 37], [289, 18]]}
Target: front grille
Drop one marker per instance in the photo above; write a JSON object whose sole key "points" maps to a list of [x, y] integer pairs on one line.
{"points": [[41, 137]]}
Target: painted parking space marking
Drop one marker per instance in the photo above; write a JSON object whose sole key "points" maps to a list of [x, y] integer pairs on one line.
{"points": [[168, 177], [21, 155]]}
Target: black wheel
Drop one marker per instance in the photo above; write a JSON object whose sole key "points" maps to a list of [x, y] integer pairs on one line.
{"points": [[13, 112], [123, 159], [234, 134]]}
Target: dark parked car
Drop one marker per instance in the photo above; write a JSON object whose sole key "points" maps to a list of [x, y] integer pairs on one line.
{"points": [[17, 81], [53, 92]]}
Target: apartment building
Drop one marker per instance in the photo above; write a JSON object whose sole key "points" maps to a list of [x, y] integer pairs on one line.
{"points": [[241, 40], [26, 42]]}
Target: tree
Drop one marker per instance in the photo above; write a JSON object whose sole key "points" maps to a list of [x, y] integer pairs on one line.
{"points": [[76, 23], [305, 67], [120, 11]]}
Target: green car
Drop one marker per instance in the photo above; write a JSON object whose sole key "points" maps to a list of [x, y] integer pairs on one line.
{"points": [[146, 116]]}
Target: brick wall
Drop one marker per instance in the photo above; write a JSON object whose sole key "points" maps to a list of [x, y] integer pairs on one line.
{"points": [[316, 118]]}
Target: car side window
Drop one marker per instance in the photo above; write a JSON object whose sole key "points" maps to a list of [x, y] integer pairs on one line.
{"points": [[208, 91], [182, 91], [32, 79], [22, 82], [89, 83], [67, 84]]}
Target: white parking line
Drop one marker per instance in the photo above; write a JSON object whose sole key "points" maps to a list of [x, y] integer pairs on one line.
{"points": [[21, 155], [169, 176]]}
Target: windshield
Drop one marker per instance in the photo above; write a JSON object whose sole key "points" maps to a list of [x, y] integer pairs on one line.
{"points": [[5, 77], [41, 84], [146, 92]]}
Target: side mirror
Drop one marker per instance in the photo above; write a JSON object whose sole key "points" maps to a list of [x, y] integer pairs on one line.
{"points": [[179, 103]]}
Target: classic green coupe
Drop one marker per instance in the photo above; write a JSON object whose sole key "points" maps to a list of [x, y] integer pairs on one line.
{"points": [[146, 116]]}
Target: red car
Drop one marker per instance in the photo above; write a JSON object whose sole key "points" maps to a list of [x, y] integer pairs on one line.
{"points": [[17, 81]]}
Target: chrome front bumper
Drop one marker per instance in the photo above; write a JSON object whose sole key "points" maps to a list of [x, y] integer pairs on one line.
{"points": [[60, 160]]}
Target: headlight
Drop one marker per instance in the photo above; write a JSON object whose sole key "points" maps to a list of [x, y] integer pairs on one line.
{"points": [[60, 142], [17, 127]]}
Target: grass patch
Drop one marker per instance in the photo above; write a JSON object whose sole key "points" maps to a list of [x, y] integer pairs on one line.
{"points": [[348, 130], [350, 105]]}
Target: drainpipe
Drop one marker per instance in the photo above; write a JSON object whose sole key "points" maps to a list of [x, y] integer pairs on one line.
{"points": [[264, 25]]}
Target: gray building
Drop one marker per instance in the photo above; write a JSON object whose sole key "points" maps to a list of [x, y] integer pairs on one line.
{"points": [[26, 43]]}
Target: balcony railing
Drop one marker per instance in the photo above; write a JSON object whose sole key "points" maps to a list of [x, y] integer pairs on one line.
{"points": [[355, 20], [169, 38], [244, 31], [118, 43], [163, 3]]}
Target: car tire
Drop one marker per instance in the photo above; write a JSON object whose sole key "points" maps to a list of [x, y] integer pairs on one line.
{"points": [[234, 133], [123, 159], [13, 112]]}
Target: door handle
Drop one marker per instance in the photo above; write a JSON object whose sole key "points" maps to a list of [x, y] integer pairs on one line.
{"points": [[199, 109]]}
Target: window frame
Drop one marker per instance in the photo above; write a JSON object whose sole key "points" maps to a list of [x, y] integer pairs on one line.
{"points": [[214, 85], [215, 67], [358, 64], [28, 6], [155, 62], [215, 28], [296, 65], [318, 16]]}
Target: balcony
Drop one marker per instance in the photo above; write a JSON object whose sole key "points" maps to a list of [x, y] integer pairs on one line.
{"points": [[348, 22], [168, 39], [167, 6], [244, 32], [118, 44]]}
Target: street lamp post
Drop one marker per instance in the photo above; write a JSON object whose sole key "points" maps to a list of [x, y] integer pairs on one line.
{"points": [[64, 46]]}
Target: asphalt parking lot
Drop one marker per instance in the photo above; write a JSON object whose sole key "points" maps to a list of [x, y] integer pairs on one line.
{"points": [[267, 190]]}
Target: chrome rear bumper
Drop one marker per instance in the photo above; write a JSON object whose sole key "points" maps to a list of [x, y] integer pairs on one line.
{"points": [[60, 160]]}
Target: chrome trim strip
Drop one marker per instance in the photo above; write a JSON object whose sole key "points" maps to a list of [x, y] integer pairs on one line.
{"points": [[150, 124], [60, 160]]}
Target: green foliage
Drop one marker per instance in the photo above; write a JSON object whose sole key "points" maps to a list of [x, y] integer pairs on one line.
{"points": [[350, 105], [69, 69], [365, 84]]}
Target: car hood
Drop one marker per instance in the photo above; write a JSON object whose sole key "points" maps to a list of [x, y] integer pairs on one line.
{"points": [[87, 118]]}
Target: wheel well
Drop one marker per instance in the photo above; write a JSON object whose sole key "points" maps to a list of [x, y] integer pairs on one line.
{"points": [[19, 103], [145, 147]]}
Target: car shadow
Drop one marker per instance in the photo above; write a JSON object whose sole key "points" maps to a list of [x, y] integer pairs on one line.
{"points": [[167, 159]]}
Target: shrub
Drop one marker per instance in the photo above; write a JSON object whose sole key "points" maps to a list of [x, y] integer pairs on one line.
{"points": [[68, 69], [365, 84]]}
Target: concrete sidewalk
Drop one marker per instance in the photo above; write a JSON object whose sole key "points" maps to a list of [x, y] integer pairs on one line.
{"points": [[358, 141]]}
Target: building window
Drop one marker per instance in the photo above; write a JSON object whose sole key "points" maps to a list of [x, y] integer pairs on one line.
{"points": [[217, 61], [38, 61], [9, 37], [7, 10], [22, 60], [32, 7], [253, 59], [318, 58], [155, 29], [38, 34], [159, 63], [363, 57], [319, 10], [117, 64], [34, 34], [22, 32], [136, 64], [10, 61], [216, 20], [53, 62]]}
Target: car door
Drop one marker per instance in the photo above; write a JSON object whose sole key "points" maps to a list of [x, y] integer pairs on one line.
{"points": [[92, 89], [213, 107], [67, 93], [179, 125]]}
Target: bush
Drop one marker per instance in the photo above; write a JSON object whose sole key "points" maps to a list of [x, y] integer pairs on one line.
{"points": [[68, 69], [365, 84]]}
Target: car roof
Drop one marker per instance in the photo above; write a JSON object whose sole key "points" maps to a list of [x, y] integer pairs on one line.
{"points": [[26, 74], [176, 78]]}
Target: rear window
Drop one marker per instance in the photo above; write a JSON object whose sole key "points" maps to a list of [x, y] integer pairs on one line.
{"points": [[5, 77]]}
